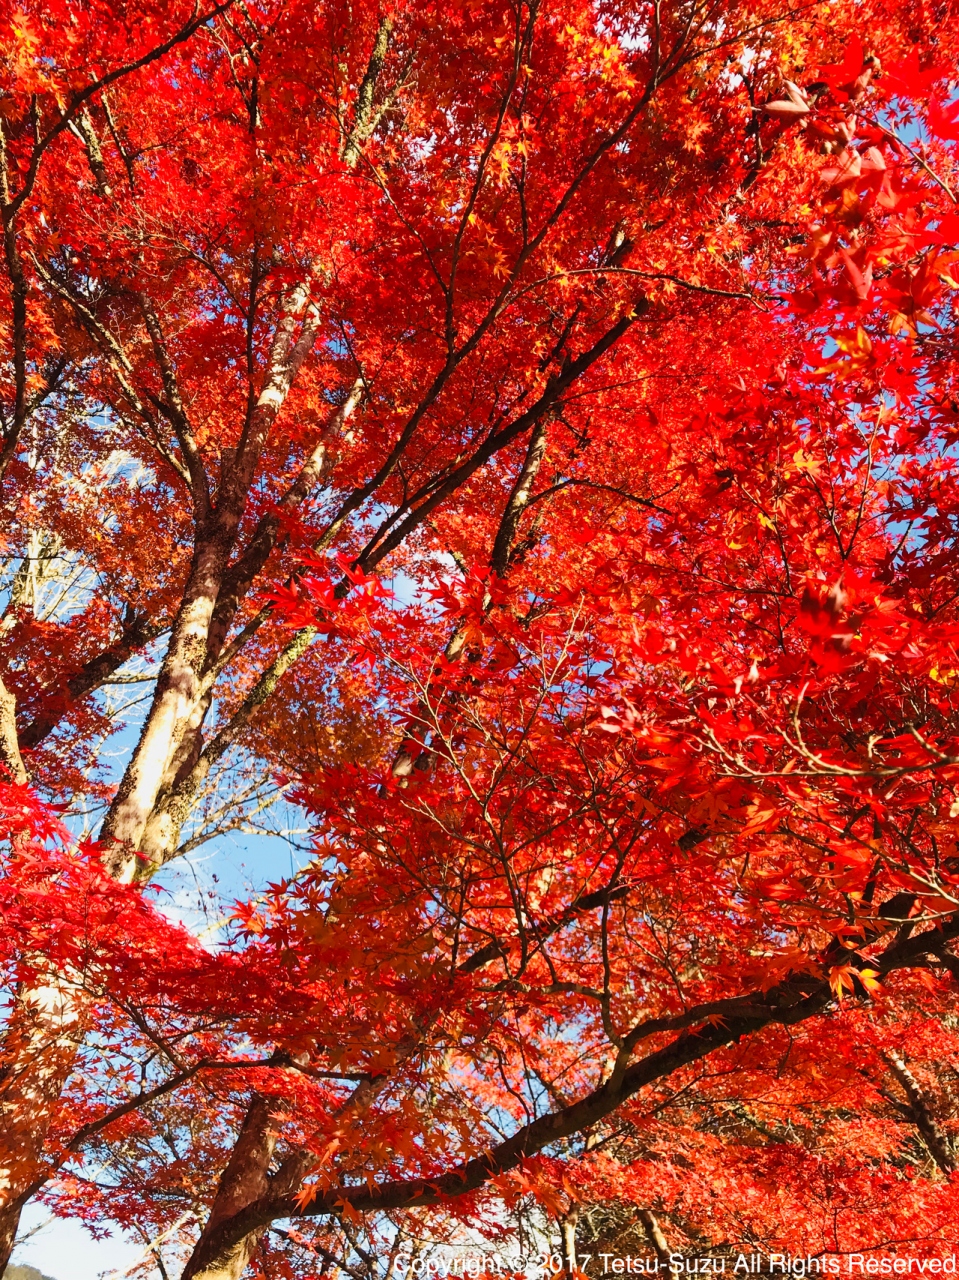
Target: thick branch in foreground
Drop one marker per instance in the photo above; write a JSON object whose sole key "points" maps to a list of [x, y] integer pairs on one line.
{"points": [[791, 1002]]}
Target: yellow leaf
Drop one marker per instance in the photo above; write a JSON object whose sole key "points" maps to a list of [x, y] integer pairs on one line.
{"points": [[842, 977], [870, 979], [855, 344], [805, 463]]}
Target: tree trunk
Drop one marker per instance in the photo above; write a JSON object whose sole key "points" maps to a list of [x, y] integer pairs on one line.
{"points": [[921, 1112], [568, 1228], [40, 1045], [244, 1179], [654, 1234], [42, 1037], [10, 756], [174, 703]]}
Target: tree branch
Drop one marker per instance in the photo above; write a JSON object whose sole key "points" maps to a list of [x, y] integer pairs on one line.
{"points": [[793, 1001]]}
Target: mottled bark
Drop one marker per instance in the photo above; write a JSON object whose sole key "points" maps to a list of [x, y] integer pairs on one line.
{"points": [[366, 116], [503, 547]]}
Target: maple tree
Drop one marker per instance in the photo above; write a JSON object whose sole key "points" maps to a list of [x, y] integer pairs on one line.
{"points": [[523, 434]]}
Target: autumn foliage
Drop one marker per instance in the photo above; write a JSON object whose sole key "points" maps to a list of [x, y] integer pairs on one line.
{"points": [[523, 437]]}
